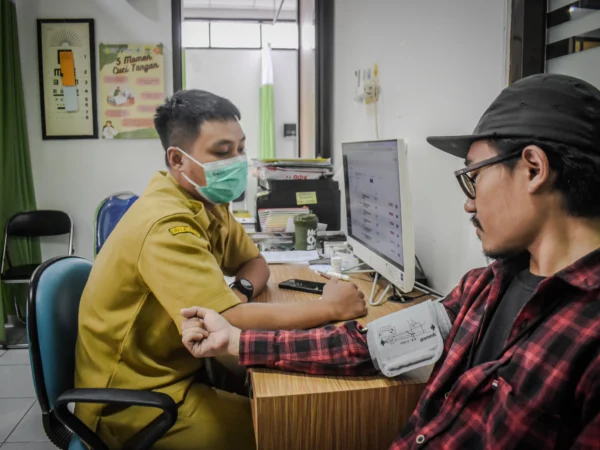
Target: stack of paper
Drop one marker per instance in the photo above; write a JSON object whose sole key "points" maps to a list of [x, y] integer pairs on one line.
{"points": [[246, 219], [294, 169], [276, 219], [290, 257]]}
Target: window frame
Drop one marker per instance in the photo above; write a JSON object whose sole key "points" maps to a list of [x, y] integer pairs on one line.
{"points": [[259, 22]]}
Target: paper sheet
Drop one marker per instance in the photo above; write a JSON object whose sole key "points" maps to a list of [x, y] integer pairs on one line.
{"points": [[291, 257], [320, 267]]}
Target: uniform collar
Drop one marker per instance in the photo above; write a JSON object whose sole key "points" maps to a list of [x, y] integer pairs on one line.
{"points": [[583, 274], [165, 182]]}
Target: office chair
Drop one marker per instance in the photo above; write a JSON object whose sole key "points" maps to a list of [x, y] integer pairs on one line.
{"points": [[108, 214], [52, 316], [27, 225]]}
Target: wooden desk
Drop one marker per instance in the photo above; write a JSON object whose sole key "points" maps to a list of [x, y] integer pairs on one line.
{"points": [[303, 412]]}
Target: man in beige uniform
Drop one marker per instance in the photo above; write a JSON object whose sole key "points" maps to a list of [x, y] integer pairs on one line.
{"points": [[169, 252]]}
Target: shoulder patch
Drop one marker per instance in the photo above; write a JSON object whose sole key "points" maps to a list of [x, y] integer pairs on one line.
{"points": [[179, 230]]}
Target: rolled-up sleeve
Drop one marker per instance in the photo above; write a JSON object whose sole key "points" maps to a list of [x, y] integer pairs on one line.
{"points": [[329, 350]]}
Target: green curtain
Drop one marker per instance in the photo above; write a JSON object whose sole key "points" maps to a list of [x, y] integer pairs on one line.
{"points": [[266, 143], [16, 181]]}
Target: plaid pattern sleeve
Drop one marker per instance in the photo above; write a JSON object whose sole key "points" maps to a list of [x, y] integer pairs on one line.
{"points": [[328, 350], [589, 387]]}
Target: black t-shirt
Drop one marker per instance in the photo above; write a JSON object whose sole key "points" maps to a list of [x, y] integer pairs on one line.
{"points": [[496, 333]]}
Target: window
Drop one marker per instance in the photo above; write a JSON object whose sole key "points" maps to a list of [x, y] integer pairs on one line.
{"points": [[555, 36], [573, 39], [235, 34], [195, 33], [280, 35], [239, 34]]}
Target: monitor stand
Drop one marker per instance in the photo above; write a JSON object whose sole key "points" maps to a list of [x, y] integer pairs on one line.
{"points": [[381, 298], [395, 297], [399, 298]]}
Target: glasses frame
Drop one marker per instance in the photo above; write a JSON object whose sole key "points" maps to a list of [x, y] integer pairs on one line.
{"points": [[464, 180]]}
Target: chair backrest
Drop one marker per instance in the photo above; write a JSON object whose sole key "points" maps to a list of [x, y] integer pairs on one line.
{"points": [[39, 223], [108, 214], [52, 317]]}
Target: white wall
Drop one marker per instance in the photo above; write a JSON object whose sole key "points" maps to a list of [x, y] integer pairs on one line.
{"points": [[236, 75], [75, 175], [441, 64]]}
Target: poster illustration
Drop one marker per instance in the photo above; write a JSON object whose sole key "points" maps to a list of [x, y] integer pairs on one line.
{"points": [[67, 72], [132, 86]]}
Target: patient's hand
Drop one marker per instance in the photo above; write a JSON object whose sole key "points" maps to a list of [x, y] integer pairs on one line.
{"points": [[206, 333]]}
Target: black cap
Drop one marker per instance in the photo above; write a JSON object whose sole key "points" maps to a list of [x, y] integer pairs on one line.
{"points": [[541, 107]]}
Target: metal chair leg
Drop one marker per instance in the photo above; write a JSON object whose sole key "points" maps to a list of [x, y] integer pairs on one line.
{"points": [[17, 346], [18, 310], [15, 334]]}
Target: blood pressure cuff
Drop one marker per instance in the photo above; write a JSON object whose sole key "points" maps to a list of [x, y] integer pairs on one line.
{"points": [[408, 339]]}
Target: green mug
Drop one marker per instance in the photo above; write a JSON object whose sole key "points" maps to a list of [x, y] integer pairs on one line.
{"points": [[306, 231]]}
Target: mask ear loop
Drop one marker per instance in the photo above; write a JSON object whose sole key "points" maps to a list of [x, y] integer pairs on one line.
{"points": [[183, 174], [190, 157]]}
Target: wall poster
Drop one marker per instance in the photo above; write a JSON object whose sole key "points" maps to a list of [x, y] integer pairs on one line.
{"points": [[132, 85]]}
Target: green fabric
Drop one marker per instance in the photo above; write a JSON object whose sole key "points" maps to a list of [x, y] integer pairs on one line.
{"points": [[267, 123], [16, 181]]}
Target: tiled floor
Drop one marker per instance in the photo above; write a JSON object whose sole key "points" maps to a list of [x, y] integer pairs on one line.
{"points": [[20, 415]]}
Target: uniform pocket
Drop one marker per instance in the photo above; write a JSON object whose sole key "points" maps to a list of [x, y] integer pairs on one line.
{"points": [[517, 423]]}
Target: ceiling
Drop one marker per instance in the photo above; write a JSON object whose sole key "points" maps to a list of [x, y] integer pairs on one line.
{"points": [[288, 5]]}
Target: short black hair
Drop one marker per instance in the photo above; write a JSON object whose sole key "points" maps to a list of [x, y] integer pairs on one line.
{"points": [[577, 172], [179, 119]]}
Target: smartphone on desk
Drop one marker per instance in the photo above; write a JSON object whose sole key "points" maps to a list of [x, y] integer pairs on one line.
{"points": [[312, 287]]}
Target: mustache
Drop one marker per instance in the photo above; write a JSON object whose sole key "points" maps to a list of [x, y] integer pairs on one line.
{"points": [[476, 223]]}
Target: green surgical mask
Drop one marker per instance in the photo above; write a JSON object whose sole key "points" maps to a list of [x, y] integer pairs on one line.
{"points": [[225, 180]]}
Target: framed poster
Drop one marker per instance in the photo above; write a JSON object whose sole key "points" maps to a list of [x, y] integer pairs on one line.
{"points": [[132, 86], [67, 70]]}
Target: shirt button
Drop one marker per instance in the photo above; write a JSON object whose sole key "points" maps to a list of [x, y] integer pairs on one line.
{"points": [[446, 395], [420, 439]]}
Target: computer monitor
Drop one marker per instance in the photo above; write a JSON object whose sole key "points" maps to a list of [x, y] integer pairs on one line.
{"points": [[380, 228]]}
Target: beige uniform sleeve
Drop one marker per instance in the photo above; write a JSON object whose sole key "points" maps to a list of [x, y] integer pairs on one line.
{"points": [[239, 248], [180, 271]]}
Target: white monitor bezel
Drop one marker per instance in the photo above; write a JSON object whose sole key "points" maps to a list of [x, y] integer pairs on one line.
{"points": [[403, 277]]}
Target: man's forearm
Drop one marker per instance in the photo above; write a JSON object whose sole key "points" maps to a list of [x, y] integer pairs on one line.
{"points": [[279, 316], [327, 350], [257, 272]]}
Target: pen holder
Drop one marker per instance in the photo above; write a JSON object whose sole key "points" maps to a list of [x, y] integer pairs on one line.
{"points": [[306, 231]]}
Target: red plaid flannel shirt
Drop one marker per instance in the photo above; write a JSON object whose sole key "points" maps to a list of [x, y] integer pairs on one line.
{"points": [[542, 392]]}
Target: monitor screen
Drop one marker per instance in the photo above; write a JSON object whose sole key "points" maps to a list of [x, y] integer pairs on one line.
{"points": [[373, 208]]}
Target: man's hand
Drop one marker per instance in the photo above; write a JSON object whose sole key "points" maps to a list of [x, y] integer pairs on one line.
{"points": [[206, 333], [346, 301]]}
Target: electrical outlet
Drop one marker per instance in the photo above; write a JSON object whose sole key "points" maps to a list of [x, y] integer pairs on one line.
{"points": [[371, 91]]}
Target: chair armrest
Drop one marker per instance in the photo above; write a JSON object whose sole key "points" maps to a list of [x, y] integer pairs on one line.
{"points": [[126, 397]]}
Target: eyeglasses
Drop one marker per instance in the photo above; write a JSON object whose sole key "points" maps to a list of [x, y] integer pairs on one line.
{"points": [[467, 183]]}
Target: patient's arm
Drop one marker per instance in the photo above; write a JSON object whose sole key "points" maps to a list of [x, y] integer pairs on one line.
{"points": [[328, 350]]}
